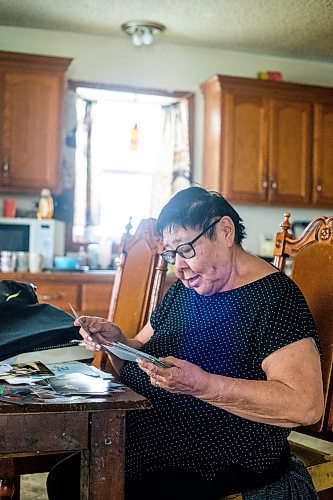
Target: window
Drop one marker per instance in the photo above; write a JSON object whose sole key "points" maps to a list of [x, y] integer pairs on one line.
{"points": [[130, 148]]}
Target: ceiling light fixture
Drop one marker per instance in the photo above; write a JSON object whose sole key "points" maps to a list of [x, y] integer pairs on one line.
{"points": [[142, 32]]}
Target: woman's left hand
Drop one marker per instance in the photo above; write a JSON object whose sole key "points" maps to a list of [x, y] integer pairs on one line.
{"points": [[183, 378]]}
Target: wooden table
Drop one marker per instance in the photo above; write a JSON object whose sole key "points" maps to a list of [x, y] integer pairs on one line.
{"points": [[96, 428]]}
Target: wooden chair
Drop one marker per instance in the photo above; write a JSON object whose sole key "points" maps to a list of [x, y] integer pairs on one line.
{"points": [[311, 258], [137, 290], [138, 286], [312, 269]]}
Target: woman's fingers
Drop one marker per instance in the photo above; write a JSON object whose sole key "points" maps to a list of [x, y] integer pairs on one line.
{"points": [[88, 327], [97, 331], [183, 377], [160, 377]]}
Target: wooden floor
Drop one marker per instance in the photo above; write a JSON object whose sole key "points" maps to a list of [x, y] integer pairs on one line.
{"points": [[33, 487]]}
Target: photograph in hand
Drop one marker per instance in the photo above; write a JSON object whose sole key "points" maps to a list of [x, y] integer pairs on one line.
{"points": [[128, 353], [124, 351]]}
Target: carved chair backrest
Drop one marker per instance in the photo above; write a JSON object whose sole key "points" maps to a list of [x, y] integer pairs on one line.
{"points": [[311, 257], [139, 281]]}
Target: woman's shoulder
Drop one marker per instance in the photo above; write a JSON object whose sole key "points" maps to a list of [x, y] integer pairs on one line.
{"points": [[275, 287], [266, 279], [257, 268], [250, 269]]}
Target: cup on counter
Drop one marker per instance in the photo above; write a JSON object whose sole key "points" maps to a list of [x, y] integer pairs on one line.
{"points": [[7, 261], [9, 207], [35, 262], [22, 262]]}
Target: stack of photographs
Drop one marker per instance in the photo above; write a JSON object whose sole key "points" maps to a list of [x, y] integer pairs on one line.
{"points": [[80, 383], [128, 353]]}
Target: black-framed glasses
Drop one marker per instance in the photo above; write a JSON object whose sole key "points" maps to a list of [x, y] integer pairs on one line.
{"points": [[185, 250]]}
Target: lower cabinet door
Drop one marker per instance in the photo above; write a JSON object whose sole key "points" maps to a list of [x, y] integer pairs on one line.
{"points": [[58, 294], [95, 299]]}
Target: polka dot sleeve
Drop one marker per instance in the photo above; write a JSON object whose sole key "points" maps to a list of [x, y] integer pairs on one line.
{"points": [[287, 319]]}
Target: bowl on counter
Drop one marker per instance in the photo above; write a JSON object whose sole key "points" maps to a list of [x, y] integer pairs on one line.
{"points": [[65, 263]]}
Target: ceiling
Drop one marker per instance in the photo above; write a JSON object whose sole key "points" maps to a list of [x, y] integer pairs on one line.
{"points": [[288, 28]]}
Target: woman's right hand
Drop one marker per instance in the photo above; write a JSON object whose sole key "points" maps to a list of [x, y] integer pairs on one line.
{"points": [[97, 331]]}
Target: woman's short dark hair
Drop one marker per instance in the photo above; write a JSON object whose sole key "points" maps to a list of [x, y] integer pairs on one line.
{"points": [[196, 208]]}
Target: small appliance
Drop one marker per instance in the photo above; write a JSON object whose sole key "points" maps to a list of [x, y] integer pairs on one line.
{"points": [[45, 237]]}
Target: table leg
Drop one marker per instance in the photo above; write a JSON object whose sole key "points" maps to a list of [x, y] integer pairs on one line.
{"points": [[106, 475]]}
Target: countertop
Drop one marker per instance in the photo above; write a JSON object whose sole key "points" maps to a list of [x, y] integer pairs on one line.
{"points": [[99, 276], [92, 276]]}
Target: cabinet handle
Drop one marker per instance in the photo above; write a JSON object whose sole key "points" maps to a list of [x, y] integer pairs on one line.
{"points": [[273, 185], [56, 296], [264, 183], [319, 188], [5, 167]]}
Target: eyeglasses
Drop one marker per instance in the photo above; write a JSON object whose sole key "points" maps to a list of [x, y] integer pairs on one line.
{"points": [[185, 250]]}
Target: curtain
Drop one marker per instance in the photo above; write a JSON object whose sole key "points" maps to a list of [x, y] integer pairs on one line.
{"points": [[86, 195], [181, 168], [172, 172], [174, 166], [69, 140], [63, 202]]}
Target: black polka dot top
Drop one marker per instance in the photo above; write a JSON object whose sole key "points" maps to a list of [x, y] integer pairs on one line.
{"points": [[229, 333]]}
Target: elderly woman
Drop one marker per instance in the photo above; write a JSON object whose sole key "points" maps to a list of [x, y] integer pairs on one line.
{"points": [[245, 364]]}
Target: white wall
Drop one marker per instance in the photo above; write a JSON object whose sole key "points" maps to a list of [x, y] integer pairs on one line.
{"points": [[169, 67]]}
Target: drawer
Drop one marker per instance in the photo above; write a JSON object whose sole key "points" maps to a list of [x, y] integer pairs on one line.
{"points": [[30, 433], [95, 299], [58, 294]]}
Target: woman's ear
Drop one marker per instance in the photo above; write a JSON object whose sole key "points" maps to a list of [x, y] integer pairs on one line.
{"points": [[228, 230]]}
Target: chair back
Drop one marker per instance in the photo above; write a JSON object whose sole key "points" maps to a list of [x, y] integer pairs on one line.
{"points": [[139, 281], [311, 257]]}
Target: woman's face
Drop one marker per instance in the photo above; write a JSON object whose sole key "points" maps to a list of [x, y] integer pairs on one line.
{"points": [[210, 270]]}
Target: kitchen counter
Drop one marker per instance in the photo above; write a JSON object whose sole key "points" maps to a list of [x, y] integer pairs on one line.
{"points": [[76, 276]]}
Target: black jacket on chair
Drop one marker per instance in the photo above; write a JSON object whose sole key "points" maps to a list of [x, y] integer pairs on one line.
{"points": [[26, 325]]}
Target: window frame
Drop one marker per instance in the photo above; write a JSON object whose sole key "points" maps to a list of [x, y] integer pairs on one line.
{"points": [[74, 84]]}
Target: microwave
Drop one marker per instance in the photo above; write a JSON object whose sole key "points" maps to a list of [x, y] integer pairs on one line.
{"points": [[43, 236]]}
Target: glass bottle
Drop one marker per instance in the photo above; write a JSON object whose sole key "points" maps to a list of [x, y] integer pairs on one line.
{"points": [[45, 205], [6, 489]]}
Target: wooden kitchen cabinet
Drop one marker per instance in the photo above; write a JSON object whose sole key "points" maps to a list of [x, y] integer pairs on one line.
{"points": [[288, 175], [59, 294], [268, 142], [31, 103], [89, 293], [322, 190]]}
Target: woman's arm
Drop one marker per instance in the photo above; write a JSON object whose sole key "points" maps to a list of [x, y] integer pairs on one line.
{"points": [[292, 395]]}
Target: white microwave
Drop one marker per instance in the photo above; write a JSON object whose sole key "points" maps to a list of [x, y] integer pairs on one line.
{"points": [[43, 236]]}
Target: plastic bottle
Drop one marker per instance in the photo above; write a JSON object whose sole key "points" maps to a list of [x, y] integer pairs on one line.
{"points": [[45, 205]]}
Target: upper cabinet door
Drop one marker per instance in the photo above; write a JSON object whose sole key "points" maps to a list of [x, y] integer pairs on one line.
{"points": [[30, 130], [323, 155], [244, 150], [31, 101], [289, 152], [268, 143]]}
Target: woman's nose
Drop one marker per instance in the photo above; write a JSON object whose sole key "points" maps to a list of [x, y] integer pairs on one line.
{"points": [[180, 262]]}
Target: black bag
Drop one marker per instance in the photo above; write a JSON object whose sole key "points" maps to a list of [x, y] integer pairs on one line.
{"points": [[26, 325]]}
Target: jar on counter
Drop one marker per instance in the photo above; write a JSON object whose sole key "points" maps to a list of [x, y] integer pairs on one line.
{"points": [[45, 205], [93, 251], [7, 261]]}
